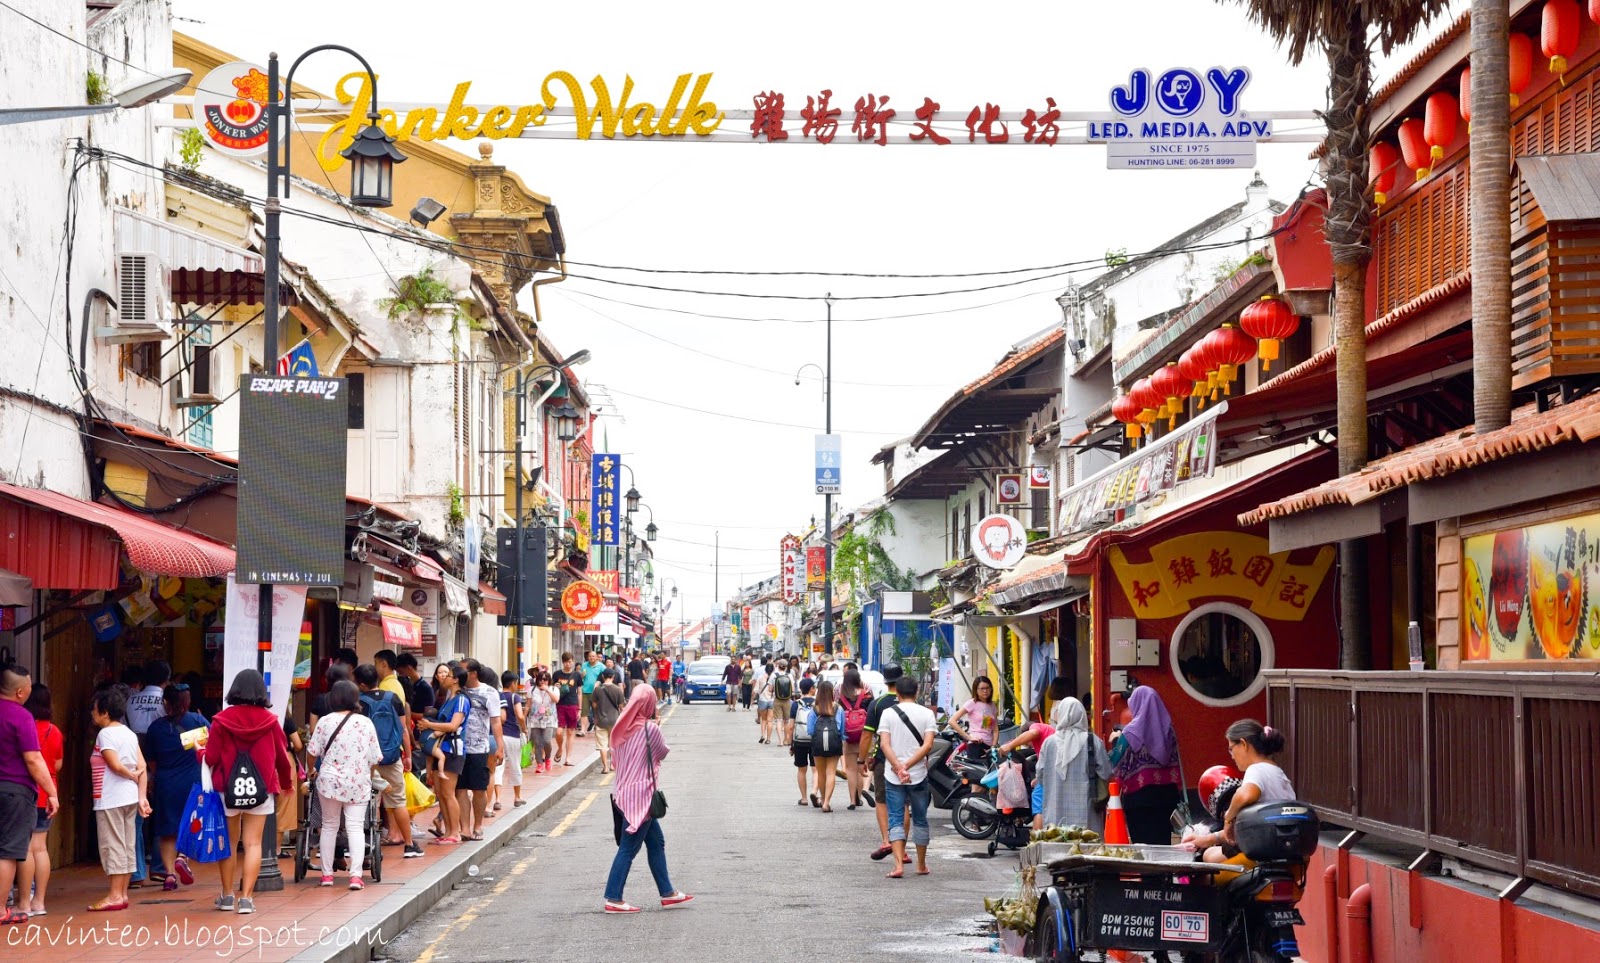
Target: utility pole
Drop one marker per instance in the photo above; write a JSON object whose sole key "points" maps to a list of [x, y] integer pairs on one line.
{"points": [[827, 499], [716, 589]]}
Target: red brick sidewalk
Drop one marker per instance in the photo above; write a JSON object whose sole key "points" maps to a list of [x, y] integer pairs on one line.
{"points": [[184, 925]]}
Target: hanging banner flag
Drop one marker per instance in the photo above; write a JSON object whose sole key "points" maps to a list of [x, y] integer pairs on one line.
{"points": [[829, 449], [241, 626], [604, 518], [1008, 490], [299, 361], [816, 568], [791, 566]]}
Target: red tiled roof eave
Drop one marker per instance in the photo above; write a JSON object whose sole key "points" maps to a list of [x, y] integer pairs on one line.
{"points": [[1530, 431]]}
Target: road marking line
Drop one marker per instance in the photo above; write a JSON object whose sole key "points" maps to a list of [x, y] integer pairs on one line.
{"points": [[512, 874], [566, 823], [607, 780]]}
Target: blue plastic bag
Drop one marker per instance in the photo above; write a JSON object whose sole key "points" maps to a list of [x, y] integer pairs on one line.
{"points": [[203, 830]]}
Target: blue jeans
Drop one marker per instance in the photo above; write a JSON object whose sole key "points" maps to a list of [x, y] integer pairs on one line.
{"points": [[649, 836], [917, 796]]}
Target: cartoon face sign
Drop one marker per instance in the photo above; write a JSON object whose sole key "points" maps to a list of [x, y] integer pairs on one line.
{"points": [[1180, 92]]}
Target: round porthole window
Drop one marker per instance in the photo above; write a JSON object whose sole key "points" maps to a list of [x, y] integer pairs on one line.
{"points": [[1219, 652]]}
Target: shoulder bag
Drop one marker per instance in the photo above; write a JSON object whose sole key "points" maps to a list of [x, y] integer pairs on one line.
{"points": [[658, 799], [1099, 789], [1182, 817]]}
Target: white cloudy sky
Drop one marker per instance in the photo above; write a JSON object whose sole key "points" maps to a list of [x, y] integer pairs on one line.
{"points": [[757, 207]]}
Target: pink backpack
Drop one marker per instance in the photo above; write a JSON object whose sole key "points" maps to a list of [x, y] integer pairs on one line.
{"points": [[855, 717]]}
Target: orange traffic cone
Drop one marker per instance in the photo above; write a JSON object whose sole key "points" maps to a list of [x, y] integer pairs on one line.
{"points": [[1116, 833]]}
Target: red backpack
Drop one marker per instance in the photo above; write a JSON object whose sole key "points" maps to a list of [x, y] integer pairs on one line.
{"points": [[855, 717]]}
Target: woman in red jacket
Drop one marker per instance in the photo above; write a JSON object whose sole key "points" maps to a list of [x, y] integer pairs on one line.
{"points": [[247, 726]]}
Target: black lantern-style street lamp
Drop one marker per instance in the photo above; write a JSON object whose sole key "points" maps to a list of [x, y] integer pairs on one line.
{"points": [[650, 532], [632, 498], [566, 418], [372, 156]]}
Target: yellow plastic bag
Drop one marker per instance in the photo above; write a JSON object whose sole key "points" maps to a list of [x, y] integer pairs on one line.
{"points": [[418, 796]]}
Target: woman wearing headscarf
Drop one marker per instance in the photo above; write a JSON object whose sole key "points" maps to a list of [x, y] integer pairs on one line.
{"points": [[638, 749], [1066, 762], [1145, 759]]}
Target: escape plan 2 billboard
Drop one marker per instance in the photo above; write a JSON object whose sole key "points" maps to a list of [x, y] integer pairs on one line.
{"points": [[292, 450]]}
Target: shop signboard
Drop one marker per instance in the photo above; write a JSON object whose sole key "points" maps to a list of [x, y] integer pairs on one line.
{"points": [[605, 518], [791, 566], [241, 627], [1225, 564], [424, 603], [1008, 490], [1188, 453], [230, 109], [1039, 476], [816, 568], [1533, 592], [999, 541], [1181, 119]]}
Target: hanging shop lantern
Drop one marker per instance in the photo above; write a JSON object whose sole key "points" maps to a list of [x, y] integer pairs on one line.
{"points": [[1193, 367], [1125, 410], [1520, 61], [1234, 348], [1414, 147], [1594, 11], [1173, 387], [1558, 34], [1269, 321], [1464, 93], [1211, 357], [1151, 403], [1383, 163], [1439, 120]]}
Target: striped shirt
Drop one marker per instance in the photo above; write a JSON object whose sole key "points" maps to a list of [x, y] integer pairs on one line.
{"points": [[634, 787]]}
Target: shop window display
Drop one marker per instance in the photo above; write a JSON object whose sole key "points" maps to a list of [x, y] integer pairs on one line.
{"points": [[1219, 652]]}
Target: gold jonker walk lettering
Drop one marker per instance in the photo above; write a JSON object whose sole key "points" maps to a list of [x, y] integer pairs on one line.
{"points": [[465, 123]]}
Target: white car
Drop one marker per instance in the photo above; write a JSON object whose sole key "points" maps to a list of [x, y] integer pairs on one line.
{"points": [[872, 678]]}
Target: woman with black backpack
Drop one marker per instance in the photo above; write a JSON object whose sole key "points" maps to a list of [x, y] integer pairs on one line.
{"points": [[827, 742], [855, 699], [249, 759]]}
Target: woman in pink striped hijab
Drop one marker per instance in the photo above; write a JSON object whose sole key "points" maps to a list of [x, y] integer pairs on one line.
{"points": [[638, 749]]}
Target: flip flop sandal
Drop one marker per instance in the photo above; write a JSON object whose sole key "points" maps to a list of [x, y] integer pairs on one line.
{"points": [[815, 801], [882, 852]]}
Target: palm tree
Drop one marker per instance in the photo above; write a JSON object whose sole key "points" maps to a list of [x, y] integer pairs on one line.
{"points": [[1346, 32], [1491, 215]]}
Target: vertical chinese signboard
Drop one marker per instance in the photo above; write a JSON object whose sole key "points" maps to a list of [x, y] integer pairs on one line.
{"points": [[1533, 593], [604, 517], [792, 567]]}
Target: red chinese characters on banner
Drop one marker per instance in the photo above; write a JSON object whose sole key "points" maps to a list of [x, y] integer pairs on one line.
{"points": [[768, 118], [872, 119], [820, 122], [1042, 127], [984, 122], [924, 125]]}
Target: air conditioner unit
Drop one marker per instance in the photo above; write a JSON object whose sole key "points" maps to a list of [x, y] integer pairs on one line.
{"points": [[200, 378], [144, 311]]}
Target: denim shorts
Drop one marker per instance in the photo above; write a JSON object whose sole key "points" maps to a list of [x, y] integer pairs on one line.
{"points": [[41, 822]]}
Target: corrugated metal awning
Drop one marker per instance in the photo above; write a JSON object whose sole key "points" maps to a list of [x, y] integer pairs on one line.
{"points": [[1567, 186], [151, 546], [180, 248]]}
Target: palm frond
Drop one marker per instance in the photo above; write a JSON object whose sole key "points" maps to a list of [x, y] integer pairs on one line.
{"points": [[1302, 26]]}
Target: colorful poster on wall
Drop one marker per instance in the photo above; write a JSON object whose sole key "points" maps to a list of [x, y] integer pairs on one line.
{"points": [[1533, 593], [1220, 565], [816, 567]]}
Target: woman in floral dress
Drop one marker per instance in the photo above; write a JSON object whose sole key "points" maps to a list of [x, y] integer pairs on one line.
{"points": [[344, 747]]}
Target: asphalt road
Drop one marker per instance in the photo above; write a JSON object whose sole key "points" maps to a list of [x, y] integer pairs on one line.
{"points": [[772, 882]]}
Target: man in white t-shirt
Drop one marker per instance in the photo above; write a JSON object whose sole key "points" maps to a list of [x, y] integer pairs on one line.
{"points": [[144, 706], [906, 731]]}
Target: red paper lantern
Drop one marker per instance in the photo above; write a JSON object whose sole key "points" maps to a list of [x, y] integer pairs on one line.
{"points": [[1173, 387], [1521, 65], [1594, 11], [1464, 97], [1234, 348], [1414, 147], [1558, 34], [1383, 164], [1193, 367], [1269, 321], [1126, 410], [1211, 356], [1439, 121], [1148, 401]]}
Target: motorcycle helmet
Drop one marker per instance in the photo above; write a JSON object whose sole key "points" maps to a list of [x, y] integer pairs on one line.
{"points": [[892, 673], [1216, 786]]}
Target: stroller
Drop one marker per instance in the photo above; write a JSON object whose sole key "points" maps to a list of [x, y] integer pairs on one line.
{"points": [[371, 828]]}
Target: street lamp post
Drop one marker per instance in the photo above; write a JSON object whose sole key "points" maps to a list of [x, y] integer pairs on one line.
{"points": [[566, 430], [827, 498], [372, 158]]}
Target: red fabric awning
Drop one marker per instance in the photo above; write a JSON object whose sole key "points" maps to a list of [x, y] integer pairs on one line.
{"points": [[427, 570], [401, 629], [200, 286], [69, 550], [493, 602]]}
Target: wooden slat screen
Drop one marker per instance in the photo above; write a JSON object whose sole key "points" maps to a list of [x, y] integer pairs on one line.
{"points": [[1422, 241]]}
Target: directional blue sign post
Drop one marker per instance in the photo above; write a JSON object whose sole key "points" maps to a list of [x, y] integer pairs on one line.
{"points": [[829, 449]]}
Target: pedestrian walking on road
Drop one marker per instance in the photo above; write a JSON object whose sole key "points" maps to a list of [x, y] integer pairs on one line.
{"points": [[855, 699], [515, 707], [343, 749], [640, 750], [731, 674], [592, 667], [541, 721], [483, 736], [1145, 757], [907, 738], [24, 774], [827, 743], [608, 705], [33, 874], [174, 770], [1071, 764], [247, 727], [765, 700], [747, 683], [449, 724], [800, 747], [386, 711], [782, 700], [569, 684], [871, 756]]}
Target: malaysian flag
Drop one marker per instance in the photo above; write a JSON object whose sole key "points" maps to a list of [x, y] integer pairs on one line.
{"points": [[299, 362]]}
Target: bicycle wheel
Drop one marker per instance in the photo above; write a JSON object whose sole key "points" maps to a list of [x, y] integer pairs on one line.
{"points": [[302, 851], [374, 829]]}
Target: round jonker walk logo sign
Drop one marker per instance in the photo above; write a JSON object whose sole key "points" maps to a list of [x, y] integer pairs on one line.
{"points": [[230, 105]]}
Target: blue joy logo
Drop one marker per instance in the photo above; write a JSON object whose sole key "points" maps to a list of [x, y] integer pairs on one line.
{"points": [[1179, 92]]}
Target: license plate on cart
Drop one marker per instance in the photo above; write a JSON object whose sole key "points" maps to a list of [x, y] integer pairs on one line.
{"points": [[1180, 927]]}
